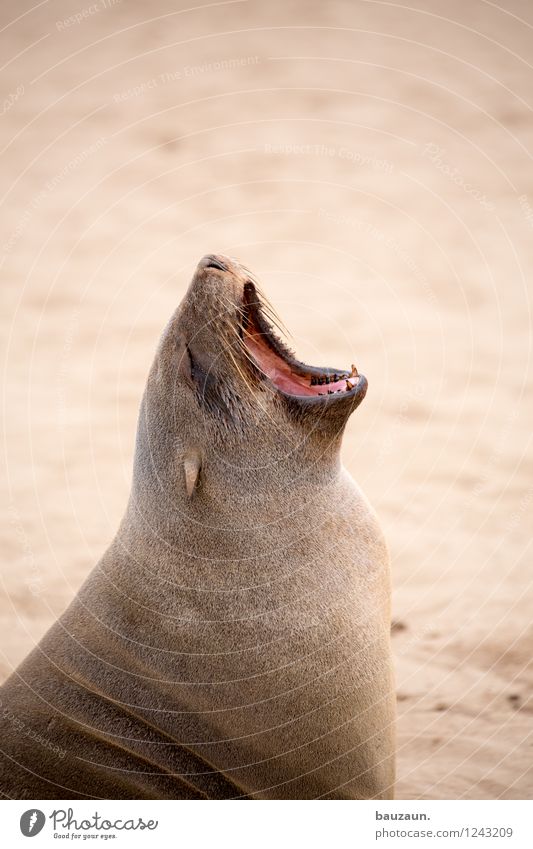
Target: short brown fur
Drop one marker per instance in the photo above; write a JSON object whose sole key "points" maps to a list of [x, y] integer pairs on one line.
{"points": [[234, 639]]}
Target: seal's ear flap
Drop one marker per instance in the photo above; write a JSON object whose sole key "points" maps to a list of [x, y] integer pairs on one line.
{"points": [[192, 464]]}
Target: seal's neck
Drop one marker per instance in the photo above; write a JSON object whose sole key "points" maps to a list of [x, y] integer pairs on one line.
{"points": [[257, 467]]}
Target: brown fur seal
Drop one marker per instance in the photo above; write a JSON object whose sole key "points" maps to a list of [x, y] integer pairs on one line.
{"points": [[234, 639]]}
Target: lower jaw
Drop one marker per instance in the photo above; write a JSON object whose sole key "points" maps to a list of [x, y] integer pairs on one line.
{"points": [[312, 384]]}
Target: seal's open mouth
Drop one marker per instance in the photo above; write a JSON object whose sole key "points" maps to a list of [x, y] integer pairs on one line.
{"points": [[275, 362]]}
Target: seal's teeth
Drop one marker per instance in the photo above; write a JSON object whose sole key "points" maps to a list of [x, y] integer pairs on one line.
{"points": [[354, 372], [349, 385], [313, 382]]}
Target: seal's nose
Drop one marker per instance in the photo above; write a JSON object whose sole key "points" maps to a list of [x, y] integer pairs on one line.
{"points": [[214, 261]]}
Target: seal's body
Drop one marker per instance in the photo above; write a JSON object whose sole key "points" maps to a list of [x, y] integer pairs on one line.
{"points": [[234, 639]]}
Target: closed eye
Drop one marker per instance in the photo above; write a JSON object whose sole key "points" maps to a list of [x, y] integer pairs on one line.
{"points": [[209, 390]]}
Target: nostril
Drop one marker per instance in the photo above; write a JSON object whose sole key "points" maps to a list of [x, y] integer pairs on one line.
{"points": [[214, 262]]}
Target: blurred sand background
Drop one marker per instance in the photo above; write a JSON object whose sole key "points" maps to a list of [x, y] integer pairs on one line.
{"points": [[372, 164]]}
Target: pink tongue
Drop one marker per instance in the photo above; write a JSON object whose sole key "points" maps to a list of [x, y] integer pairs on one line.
{"points": [[274, 368], [281, 375]]}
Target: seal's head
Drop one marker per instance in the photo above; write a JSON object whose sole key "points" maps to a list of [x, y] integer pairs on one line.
{"points": [[224, 383]]}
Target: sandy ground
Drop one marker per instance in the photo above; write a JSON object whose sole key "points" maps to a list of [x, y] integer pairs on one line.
{"points": [[372, 164]]}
